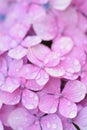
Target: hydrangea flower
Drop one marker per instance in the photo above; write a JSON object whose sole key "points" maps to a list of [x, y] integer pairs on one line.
{"points": [[80, 120], [43, 55], [28, 121], [63, 101]]}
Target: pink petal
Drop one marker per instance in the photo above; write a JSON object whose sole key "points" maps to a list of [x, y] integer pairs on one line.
{"points": [[57, 71], [68, 124], [83, 8], [42, 77], [82, 23], [30, 41], [60, 5], [10, 98], [2, 79], [29, 71], [36, 55], [3, 65], [62, 45], [51, 122], [75, 91], [53, 86], [30, 99], [52, 59], [20, 118], [35, 126], [81, 119], [46, 27], [5, 111], [17, 53], [67, 109], [48, 103], [10, 85], [33, 85]]}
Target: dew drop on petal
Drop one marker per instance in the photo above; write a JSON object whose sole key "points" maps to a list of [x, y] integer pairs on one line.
{"points": [[54, 126], [48, 125]]}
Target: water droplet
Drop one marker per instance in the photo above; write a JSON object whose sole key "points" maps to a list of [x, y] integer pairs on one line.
{"points": [[69, 103], [76, 62], [48, 125], [54, 126], [35, 98], [31, 95], [53, 110], [30, 106], [72, 114]]}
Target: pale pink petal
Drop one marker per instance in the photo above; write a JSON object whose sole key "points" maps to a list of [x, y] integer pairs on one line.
{"points": [[60, 4], [57, 71], [15, 67], [48, 103], [81, 119], [18, 52], [10, 85], [64, 17], [10, 98], [20, 119], [52, 59], [71, 65], [35, 13], [79, 54], [30, 41], [74, 91], [18, 31], [46, 27], [36, 55], [4, 42], [42, 77], [1, 103], [33, 85], [1, 126], [67, 109], [40, 1], [30, 99], [52, 122], [29, 71], [62, 45], [78, 36]]}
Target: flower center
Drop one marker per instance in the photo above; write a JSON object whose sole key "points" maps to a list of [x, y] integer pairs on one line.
{"points": [[46, 6], [69, 120], [2, 17]]}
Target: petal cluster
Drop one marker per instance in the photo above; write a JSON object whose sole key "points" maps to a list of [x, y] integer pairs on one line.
{"points": [[43, 64]]}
